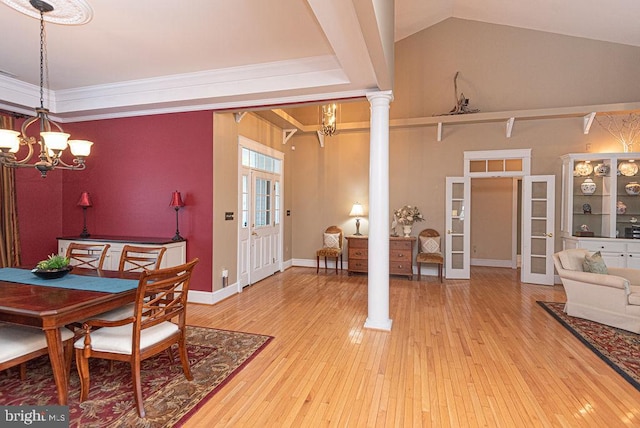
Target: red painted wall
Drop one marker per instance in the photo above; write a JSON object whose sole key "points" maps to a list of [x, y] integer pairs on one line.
{"points": [[135, 165]]}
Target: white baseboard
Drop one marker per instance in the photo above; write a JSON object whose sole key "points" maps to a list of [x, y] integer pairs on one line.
{"points": [[491, 263]]}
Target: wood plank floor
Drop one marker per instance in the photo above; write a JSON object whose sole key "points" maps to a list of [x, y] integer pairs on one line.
{"points": [[465, 353]]}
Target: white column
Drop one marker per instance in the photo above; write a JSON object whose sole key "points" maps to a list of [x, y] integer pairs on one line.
{"points": [[378, 279]]}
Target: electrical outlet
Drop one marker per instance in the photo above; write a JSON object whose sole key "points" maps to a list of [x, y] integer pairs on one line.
{"points": [[588, 147]]}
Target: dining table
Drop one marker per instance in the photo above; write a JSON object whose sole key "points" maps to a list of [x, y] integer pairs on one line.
{"points": [[53, 304]]}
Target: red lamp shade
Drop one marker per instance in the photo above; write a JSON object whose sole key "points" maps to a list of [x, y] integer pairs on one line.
{"points": [[176, 200], [85, 200]]}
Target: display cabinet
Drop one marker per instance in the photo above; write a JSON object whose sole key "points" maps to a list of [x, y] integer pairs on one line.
{"points": [[601, 195]]}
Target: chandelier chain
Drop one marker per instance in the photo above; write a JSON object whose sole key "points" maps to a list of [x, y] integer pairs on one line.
{"points": [[42, 59]]}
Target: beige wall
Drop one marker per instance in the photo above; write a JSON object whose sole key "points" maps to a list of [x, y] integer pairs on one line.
{"points": [[225, 239], [502, 68]]}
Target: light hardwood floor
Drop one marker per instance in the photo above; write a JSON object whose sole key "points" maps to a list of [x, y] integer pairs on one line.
{"points": [[476, 352]]}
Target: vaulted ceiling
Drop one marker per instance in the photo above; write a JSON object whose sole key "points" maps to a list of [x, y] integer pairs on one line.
{"points": [[142, 57]]}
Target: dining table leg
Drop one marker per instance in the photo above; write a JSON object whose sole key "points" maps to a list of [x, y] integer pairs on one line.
{"points": [[58, 366]]}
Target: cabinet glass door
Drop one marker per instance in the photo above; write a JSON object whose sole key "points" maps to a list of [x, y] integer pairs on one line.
{"points": [[628, 200]]}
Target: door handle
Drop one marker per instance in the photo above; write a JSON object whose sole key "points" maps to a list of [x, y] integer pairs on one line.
{"points": [[548, 235], [254, 234]]}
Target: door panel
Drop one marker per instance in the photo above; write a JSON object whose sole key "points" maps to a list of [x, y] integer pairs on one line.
{"points": [[458, 227], [538, 217]]}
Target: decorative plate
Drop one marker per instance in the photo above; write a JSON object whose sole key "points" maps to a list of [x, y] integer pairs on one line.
{"points": [[628, 168], [584, 168]]}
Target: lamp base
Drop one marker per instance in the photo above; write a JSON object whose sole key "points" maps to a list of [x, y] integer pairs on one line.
{"points": [[177, 238], [357, 228], [85, 234]]}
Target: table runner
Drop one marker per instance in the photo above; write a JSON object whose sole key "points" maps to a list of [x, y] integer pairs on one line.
{"points": [[75, 282]]}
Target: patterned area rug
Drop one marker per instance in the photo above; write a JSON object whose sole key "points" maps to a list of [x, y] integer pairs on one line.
{"points": [[169, 399], [618, 348]]}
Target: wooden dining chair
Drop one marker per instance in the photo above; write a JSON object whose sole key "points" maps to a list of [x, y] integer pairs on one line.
{"points": [[19, 344], [88, 256], [138, 259], [157, 323], [134, 259]]}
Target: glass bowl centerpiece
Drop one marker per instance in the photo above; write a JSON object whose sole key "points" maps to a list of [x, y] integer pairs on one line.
{"points": [[53, 267]]}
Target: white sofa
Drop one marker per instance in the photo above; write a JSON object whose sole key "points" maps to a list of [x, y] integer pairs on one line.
{"points": [[612, 299]]}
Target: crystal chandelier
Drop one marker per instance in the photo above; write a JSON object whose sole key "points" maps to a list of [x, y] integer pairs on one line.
{"points": [[52, 142], [328, 119]]}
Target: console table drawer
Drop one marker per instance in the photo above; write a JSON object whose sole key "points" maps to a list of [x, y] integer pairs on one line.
{"points": [[358, 253], [356, 265], [399, 268]]}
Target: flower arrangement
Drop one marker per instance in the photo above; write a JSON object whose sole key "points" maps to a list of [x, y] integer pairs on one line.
{"points": [[407, 215], [54, 262]]}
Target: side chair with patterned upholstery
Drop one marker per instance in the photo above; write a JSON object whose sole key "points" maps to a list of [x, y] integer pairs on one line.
{"points": [[331, 247], [429, 251]]}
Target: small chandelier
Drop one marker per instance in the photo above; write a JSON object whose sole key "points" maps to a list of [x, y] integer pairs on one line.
{"points": [[329, 119], [52, 143]]}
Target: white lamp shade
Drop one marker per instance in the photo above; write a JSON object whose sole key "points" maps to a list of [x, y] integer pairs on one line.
{"points": [[9, 140], [55, 140], [357, 210], [80, 148]]}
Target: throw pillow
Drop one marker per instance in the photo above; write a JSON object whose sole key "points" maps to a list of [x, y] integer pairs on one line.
{"points": [[332, 240], [573, 259], [430, 244], [595, 264]]}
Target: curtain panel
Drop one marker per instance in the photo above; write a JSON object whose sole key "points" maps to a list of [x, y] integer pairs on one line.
{"points": [[9, 234]]}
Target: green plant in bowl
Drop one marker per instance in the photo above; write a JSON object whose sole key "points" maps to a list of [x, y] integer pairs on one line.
{"points": [[54, 262], [52, 268]]}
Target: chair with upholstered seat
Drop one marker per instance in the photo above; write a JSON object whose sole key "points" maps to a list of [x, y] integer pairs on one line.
{"points": [[87, 256], [331, 247], [429, 251], [157, 323], [19, 344]]}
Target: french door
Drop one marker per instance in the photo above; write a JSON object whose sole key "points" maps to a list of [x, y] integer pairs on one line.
{"points": [[458, 228], [538, 217]]}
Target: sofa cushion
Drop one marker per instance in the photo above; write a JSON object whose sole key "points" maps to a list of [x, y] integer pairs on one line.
{"points": [[595, 264], [573, 258]]}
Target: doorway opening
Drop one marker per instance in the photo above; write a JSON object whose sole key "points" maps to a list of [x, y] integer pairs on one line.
{"points": [[260, 199]]}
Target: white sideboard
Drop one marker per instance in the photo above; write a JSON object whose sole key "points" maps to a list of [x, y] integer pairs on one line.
{"points": [[176, 253], [615, 252]]}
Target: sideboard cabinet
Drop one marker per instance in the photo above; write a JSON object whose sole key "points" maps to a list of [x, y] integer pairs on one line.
{"points": [[175, 255], [400, 255]]}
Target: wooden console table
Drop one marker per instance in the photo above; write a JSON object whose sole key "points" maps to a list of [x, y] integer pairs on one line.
{"points": [[400, 255]]}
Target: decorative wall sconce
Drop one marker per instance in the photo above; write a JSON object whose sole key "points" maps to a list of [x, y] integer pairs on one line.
{"points": [[176, 203], [357, 211], [85, 202]]}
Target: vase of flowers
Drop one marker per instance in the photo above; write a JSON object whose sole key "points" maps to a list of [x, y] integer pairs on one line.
{"points": [[406, 216]]}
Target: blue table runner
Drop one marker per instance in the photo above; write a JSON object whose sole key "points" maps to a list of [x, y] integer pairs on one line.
{"points": [[75, 282]]}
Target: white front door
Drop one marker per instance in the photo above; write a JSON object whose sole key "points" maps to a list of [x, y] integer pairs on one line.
{"points": [[538, 218], [244, 234], [264, 230], [458, 227]]}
